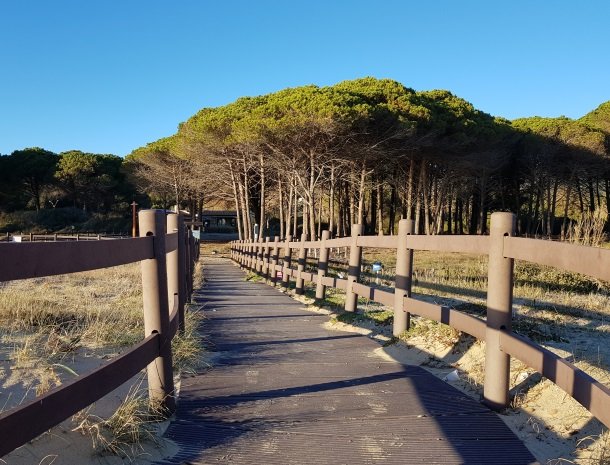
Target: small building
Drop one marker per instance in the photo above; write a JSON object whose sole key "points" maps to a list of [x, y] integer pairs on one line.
{"points": [[219, 221]]}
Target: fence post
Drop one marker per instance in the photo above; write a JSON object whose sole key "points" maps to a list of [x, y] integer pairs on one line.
{"points": [[176, 276], [404, 272], [258, 256], [353, 271], [322, 266], [275, 258], [250, 256], [301, 265], [188, 269], [156, 311], [499, 309], [266, 257], [286, 263]]}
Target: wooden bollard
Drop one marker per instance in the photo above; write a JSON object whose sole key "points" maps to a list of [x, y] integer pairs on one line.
{"points": [[266, 259], [156, 310], [286, 263], [404, 272], [176, 269], [353, 272], [299, 287], [322, 266], [275, 257], [499, 312], [258, 264], [250, 256]]}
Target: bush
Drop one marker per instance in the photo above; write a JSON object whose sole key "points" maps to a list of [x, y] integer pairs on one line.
{"points": [[51, 220], [62, 220]]}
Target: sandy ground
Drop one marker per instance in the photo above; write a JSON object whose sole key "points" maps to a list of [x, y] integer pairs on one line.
{"points": [[555, 428], [65, 444]]}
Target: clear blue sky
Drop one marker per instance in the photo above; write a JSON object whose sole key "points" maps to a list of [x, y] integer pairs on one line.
{"points": [[108, 76]]}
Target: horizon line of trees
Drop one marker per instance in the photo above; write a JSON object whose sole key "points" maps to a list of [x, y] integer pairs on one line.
{"points": [[373, 151], [367, 151], [38, 179]]}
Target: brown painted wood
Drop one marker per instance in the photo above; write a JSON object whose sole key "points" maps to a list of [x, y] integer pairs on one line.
{"points": [[38, 259], [24, 423]]}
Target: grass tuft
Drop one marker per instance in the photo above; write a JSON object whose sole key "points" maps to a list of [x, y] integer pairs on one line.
{"points": [[123, 433]]}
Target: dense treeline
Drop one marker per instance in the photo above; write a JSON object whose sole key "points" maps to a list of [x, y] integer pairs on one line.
{"points": [[373, 151], [67, 187], [365, 151]]}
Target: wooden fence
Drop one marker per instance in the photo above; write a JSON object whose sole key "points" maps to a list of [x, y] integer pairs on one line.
{"points": [[167, 252], [500, 246], [56, 237]]}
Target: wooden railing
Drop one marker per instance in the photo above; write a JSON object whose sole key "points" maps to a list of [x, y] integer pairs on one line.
{"points": [[167, 252], [500, 246], [55, 237]]}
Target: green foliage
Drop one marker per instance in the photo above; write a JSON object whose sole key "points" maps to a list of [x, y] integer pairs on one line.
{"points": [[381, 317], [599, 118], [25, 175], [89, 180], [67, 219]]}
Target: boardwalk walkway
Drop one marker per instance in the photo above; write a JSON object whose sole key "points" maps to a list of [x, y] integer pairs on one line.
{"points": [[284, 390]]}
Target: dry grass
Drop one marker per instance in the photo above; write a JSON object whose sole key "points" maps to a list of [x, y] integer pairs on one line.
{"points": [[101, 308], [188, 349], [123, 433], [49, 324]]}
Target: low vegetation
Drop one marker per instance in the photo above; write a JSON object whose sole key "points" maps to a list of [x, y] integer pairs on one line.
{"points": [[53, 329]]}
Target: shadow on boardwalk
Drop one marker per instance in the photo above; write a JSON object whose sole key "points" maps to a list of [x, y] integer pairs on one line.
{"points": [[284, 390]]}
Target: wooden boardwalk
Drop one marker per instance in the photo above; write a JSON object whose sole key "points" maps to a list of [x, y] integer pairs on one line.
{"points": [[283, 390]]}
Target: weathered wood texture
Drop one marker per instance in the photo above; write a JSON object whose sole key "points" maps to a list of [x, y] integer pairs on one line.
{"points": [[284, 390]]}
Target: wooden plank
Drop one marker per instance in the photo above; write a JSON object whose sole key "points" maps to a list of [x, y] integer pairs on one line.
{"points": [[24, 423], [478, 245], [449, 316], [590, 261], [377, 295], [318, 396], [589, 392], [380, 242], [38, 259], [340, 242]]}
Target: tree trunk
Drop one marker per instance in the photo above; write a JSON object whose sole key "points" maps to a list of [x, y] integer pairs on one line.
{"points": [[580, 200], [331, 202], [392, 212], [262, 226], [296, 214], [373, 208], [591, 195], [281, 206], [236, 198], [247, 200], [380, 209], [410, 189], [564, 224], [361, 195], [319, 225]]}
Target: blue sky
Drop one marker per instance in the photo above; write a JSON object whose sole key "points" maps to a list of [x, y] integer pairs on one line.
{"points": [[110, 76]]}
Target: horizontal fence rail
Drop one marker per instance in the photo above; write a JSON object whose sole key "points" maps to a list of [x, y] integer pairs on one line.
{"points": [[272, 257], [167, 252], [38, 259], [37, 237]]}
